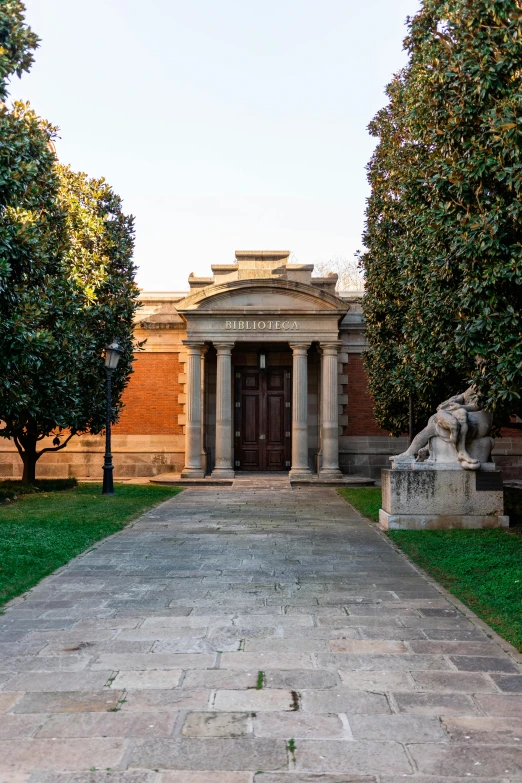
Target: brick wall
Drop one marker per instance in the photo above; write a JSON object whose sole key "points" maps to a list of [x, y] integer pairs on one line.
{"points": [[360, 405], [151, 398]]}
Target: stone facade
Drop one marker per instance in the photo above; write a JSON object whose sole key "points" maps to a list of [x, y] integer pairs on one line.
{"points": [[180, 402]]}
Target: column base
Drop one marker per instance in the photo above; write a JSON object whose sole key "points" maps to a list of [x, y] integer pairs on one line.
{"points": [[223, 473], [192, 473], [300, 473], [332, 473]]}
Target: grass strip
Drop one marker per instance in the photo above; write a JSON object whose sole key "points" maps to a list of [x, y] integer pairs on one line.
{"points": [[41, 532], [367, 500], [482, 568]]}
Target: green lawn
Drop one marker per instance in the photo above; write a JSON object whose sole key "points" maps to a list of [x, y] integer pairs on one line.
{"points": [[367, 500], [43, 531], [483, 568]]}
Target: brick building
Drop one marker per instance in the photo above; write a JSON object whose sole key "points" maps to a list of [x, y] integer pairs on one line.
{"points": [[257, 368]]}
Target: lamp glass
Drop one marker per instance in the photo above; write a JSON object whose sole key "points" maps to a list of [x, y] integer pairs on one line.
{"points": [[262, 361], [112, 355]]}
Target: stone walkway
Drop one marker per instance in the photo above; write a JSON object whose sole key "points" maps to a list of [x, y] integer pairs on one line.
{"points": [[250, 634]]}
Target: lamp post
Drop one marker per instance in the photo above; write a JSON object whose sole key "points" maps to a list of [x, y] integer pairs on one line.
{"points": [[112, 357]]}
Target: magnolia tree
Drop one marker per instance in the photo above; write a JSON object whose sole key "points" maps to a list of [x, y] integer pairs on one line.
{"points": [[66, 277], [443, 264]]}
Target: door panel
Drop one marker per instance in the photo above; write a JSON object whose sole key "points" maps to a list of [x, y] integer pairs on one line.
{"points": [[263, 419]]}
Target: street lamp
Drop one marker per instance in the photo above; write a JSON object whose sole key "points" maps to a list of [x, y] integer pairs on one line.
{"points": [[112, 357]]}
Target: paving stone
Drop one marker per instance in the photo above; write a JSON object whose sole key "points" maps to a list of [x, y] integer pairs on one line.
{"points": [[269, 699], [187, 644], [435, 704], [62, 754], [210, 754], [303, 777], [367, 646], [59, 681], [467, 634], [500, 704], [508, 684], [382, 632], [443, 647], [205, 777], [219, 678], [396, 728], [484, 664], [68, 701], [344, 700], [110, 724], [217, 724], [41, 663], [151, 678], [295, 679], [382, 662], [377, 681], [8, 700], [286, 645], [153, 661], [20, 726], [496, 731], [483, 761], [299, 725], [174, 699], [262, 661], [132, 776], [453, 682], [357, 757]]}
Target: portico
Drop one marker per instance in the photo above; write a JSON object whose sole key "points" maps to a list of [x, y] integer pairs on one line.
{"points": [[267, 313]]}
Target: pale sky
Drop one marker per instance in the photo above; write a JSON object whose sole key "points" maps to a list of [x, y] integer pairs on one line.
{"points": [[223, 124]]}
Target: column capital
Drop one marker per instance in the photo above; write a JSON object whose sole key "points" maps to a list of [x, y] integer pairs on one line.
{"points": [[223, 347], [330, 347], [300, 348], [194, 347]]}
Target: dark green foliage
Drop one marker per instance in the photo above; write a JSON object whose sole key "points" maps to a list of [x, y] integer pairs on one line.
{"points": [[367, 500], [17, 43], [444, 220], [40, 485], [481, 567], [66, 283], [41, 532]]}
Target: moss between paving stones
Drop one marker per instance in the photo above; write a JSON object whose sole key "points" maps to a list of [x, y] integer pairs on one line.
{"points": [[42, 531], [482, 568]]}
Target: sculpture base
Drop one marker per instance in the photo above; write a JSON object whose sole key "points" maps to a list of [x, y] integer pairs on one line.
{"points": [[438, 499], [439, 521]]}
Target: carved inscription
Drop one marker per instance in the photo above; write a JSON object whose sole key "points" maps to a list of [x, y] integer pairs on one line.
{"points": [[259, 326]]}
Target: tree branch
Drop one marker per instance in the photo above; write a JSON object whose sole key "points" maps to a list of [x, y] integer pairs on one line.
{"points": [[56, 448]]}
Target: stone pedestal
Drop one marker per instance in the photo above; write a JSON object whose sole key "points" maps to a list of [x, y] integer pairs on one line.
{"points": [[441, 499]]}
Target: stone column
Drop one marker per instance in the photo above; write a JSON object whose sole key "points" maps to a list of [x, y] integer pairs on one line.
{"points": [[193, 463], [300, 467], [330, 411], [223, 467]]}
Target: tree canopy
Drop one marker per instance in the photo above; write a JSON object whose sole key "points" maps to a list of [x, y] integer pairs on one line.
{"points": [[443, 234], [66, 277]]}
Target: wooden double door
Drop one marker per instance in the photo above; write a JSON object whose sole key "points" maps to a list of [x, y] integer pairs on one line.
{"points": [[263, 418]]}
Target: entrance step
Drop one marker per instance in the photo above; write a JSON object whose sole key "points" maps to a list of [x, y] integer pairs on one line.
{"points": [[262, 481], [175, 478]]}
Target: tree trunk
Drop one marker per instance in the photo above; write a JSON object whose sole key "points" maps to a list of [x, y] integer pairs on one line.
{"points": [[29, 458]]}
